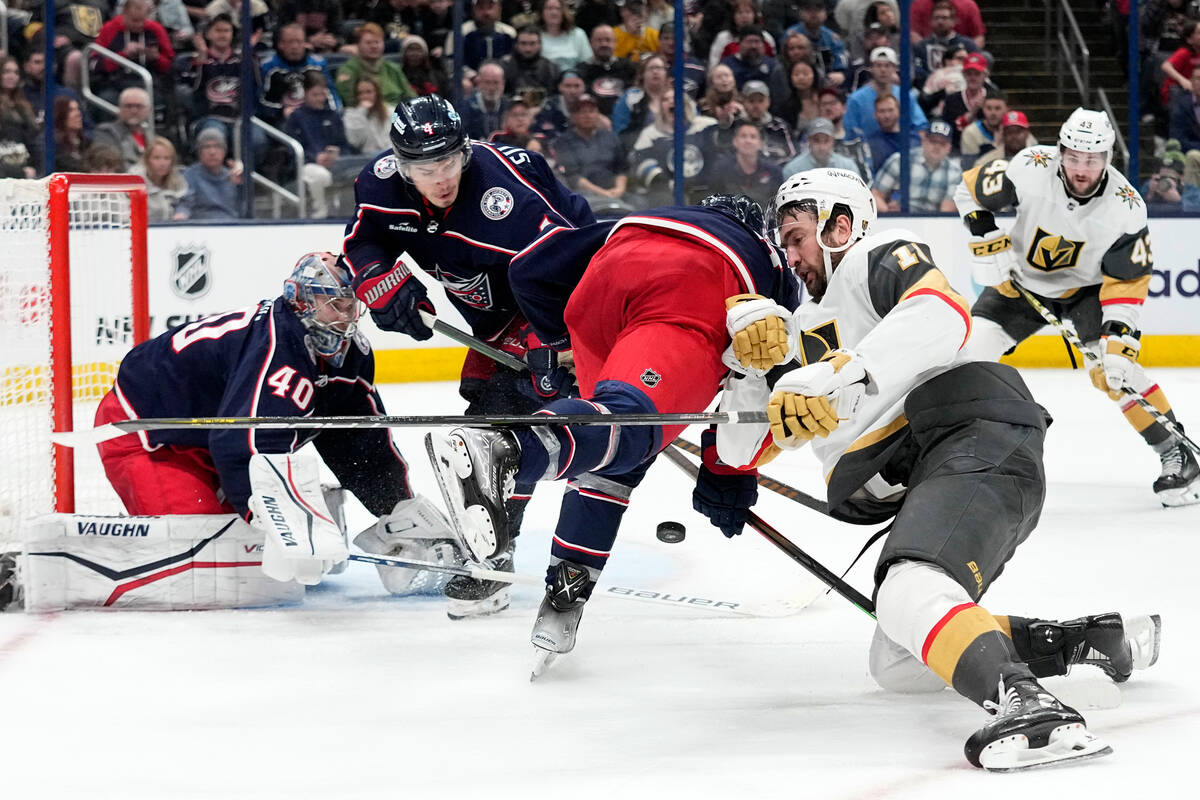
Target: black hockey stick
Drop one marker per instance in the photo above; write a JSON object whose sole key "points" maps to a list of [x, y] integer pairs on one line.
{"points": [[1092, 358], [794, 552], [112, 430], [473, 342], [779, 487]]}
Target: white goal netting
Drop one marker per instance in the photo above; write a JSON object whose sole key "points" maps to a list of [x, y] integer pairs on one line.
{"points": [[100, 311]]}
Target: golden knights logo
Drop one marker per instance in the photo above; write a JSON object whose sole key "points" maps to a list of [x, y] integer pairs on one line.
{"points": [[1128, 196], [1038, 158], [1050, 252], [816, 342]]}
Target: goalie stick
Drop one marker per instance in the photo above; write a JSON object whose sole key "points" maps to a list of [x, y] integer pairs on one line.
{"points": [[793, 551], [1092, 358], [102, 433], [675, 599]]}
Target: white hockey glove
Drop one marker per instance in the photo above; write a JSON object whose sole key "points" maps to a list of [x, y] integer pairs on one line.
{"points": [[1119, 347], [813, 400], [993, 260], [760, 330], [302, 541], [415, 530]]}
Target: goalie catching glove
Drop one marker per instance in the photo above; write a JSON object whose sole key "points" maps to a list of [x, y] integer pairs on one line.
{"points": [[760, 332], [813, 400], [302, 541], [1119, 346], [993, 260]]}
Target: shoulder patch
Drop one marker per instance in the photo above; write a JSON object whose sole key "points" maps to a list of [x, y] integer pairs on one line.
{"points": [[385, 167], [1038, 158], [497, 203], [1128, 196]]}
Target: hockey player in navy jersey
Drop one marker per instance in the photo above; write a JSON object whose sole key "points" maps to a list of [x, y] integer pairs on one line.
{"points": [[460, 210], [642, 305], [299, 354]]}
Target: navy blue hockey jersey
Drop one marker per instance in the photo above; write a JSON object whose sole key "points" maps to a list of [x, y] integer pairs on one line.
{"points": [[545, 273], [254, 362], [507, 198]]}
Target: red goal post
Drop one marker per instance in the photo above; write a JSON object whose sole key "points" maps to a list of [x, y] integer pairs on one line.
{"points": [[73, 300]]}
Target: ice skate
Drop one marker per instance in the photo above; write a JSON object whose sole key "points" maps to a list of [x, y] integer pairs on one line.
{"points": [[1032, 729], [11, 595], [558, 617], [475, 470], [471, 598], [1179, 483], [1143, 634]]}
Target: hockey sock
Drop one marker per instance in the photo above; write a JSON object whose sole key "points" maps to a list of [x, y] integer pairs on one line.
{"points": [[969, 650], [592, 508], [576, 450], [1150, 430]]}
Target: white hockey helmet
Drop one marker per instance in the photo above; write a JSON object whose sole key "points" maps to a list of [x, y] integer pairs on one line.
{"points": [[824, 189], [1088, 132]]}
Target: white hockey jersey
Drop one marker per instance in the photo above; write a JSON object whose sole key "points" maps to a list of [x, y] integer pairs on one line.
{"points": [[1061, 243], [889, 303]]}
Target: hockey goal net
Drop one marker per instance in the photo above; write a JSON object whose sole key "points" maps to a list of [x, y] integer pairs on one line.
{"points": [[73, 300]]}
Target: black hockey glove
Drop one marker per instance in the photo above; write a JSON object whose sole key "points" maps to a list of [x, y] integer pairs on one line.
{"points": [[395, 298], [723, 494], [548, 378]]}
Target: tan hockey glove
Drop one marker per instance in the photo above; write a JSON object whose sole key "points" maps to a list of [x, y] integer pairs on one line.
{"points": [[758, 328], [800, 416]]}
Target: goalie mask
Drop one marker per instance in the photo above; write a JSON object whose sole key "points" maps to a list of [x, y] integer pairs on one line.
{"points": [[320, 294], [825, 193]]}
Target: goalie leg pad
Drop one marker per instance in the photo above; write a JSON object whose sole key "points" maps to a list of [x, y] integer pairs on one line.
{"points": [[302, 540], [168, 563]]}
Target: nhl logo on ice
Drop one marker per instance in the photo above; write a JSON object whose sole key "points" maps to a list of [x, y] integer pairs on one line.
{"points": [[191, 275], [497, 203], [651, 378]]}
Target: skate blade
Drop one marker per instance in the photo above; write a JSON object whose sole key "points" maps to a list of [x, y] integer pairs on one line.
{"points": [[542, 659], [1145, 635], [1183, 496], [472, 524], [1067, 744]]}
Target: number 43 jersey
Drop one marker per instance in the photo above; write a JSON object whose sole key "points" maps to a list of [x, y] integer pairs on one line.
{"points": [[1063, 244]]}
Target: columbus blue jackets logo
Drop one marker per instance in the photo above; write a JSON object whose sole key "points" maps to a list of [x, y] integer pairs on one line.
{"points": [[385, 167], [191, 272], [475, 291], [651, 378], [497, 203]]}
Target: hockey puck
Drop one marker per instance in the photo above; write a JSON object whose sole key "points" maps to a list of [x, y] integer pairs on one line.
{"points": [[671, 532]]}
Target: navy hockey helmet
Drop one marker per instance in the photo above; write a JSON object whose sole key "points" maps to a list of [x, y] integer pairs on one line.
{"points": [[427, 129], [320, 294], [738, 206]]}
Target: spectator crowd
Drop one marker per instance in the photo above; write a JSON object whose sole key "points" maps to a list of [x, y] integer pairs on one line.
{"points": [[771, 88]]}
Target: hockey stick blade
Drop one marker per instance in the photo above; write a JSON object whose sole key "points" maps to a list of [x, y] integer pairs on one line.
{"points": [[93, 436], [673, 599]]}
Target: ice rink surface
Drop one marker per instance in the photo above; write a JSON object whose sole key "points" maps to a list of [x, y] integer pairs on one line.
{"points": [[356, 694]]}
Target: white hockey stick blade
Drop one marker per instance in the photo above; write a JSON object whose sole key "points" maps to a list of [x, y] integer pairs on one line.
{"points": [[1067, 744], [87, 437]]}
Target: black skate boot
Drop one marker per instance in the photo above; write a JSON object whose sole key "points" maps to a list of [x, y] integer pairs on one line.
{"points": [[1179, 483], [1104, 641], [560, 612], [11, 596], [1032, 728], [479, 598], [475, 469]]}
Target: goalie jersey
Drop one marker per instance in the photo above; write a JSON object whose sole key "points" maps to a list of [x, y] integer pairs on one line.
{"points": [[888, 302], [254, 362], [507, 198], [1061, 243]]}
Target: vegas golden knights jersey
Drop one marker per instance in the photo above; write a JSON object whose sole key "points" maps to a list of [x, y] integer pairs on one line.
{"points": [[1063, 244]]}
